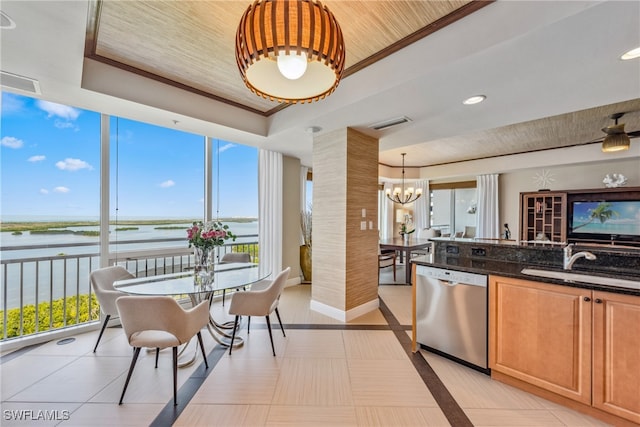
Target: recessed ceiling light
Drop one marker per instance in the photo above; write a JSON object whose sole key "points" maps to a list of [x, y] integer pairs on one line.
{"points": [[313, 129], [474, 100], [632, 54]]}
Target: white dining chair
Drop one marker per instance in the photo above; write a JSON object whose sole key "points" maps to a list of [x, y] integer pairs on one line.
{"points": [[233, 257], [102, 282], [160, 322], [261, 302]]}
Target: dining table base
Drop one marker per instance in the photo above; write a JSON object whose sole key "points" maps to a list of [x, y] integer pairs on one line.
{"points": [[228, 276]]}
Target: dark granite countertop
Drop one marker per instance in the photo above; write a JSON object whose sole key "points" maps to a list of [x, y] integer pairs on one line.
{"points": [[512, 260]]}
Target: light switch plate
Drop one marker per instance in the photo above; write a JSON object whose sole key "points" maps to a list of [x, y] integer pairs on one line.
{"points": [[363, 225], [364, 213]]}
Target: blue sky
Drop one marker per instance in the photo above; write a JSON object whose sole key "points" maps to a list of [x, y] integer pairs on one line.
{"points": [[50, 159]]}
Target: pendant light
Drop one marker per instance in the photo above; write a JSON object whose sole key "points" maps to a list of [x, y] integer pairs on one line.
{"points": [[402, 195], [290, 50]]}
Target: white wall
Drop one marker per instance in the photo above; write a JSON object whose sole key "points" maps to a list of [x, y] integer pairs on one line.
{"points": [[570, 168], [568, 177]]}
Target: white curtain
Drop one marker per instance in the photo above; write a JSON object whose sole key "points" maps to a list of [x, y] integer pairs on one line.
{"points": [[303, 195], [487, 218], [421, 208], [386, 213], [270, 211]]}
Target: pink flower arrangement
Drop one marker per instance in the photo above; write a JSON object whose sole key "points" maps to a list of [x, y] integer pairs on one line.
{"points": [[207, 235]]}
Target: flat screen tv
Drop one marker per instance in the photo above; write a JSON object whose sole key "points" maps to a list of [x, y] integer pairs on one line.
{"points": [[610, 220]]}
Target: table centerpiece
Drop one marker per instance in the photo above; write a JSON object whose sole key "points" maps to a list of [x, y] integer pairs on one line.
{"points": [[204, 237]]}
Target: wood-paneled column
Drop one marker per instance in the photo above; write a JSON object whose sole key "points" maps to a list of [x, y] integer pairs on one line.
{"points": [[345, 195]]}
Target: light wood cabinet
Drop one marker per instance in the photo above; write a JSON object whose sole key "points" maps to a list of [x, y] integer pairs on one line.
{"points": [[616, 354], [541, 334], [576, 343], [543, 216]]}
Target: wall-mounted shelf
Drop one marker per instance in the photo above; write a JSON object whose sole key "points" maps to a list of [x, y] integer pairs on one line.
{"points": [[543, 216]]}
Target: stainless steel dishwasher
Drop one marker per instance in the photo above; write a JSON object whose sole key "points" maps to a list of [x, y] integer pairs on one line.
{"points": [[451, 313]]}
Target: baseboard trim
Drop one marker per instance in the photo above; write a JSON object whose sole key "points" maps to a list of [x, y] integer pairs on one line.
{"points": [[342, 315], [292, 282], [561, 400]]}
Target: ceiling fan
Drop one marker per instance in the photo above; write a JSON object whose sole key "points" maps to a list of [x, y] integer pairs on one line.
{"points": [[617, 139]]}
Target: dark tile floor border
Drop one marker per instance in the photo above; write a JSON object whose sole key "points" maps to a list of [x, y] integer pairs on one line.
{"points": [[443, 398], [452, 411]]}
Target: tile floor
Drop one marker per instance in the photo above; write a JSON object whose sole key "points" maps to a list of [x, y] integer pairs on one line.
{"points": [[325, 374]]}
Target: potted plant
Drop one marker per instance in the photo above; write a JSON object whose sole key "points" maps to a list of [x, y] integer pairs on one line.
{"points": [[405, 232], [305, 248]]}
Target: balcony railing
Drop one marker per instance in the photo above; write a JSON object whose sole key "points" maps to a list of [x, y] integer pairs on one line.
{"points": [[41, 294]]}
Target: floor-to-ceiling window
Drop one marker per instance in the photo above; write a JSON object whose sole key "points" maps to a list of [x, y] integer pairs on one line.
{"points": [[50, 158], [51, 203], [453, 208]]}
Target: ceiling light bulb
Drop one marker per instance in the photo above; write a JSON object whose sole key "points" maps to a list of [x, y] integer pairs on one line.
{"points": [[474, 100], [632, 54], [292, 66]]}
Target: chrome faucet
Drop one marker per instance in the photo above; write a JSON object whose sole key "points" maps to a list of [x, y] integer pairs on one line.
{"points": [[570, 259]]}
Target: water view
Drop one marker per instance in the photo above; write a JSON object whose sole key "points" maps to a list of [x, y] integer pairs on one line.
{"points": [[68, 274]]}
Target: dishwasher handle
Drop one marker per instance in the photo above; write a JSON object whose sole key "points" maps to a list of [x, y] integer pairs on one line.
{"points": [[450, 283]]}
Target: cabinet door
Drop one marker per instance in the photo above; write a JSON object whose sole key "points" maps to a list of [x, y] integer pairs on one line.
{"points": [[541, 334], [616, 382]]}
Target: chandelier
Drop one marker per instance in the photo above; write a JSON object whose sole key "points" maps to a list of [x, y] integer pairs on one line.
{"points": [[402, 195], [290, 50]]}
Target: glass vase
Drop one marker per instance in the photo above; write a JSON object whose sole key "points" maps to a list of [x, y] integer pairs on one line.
{"points": [[203, 266]]}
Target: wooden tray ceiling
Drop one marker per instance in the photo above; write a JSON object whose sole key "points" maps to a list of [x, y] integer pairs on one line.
{"points": [[190, 44]]}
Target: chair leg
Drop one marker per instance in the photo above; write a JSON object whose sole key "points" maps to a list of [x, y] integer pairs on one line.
{"points": [[224, 291], [175, 376], [280, 321], [248, 323], [394, 271], [136, 352], [233, 335], [157, 354], [270, 335], [104, 325], [204, 356]]}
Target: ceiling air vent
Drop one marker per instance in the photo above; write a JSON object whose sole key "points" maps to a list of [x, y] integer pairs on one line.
{"points": [[14, 81], [389, 123]]}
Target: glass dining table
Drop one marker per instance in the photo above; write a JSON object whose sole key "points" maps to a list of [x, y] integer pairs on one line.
{"points": [[225, 276]]}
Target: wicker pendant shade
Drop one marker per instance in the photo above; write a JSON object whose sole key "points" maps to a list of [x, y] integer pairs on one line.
{"points": [[272, 28]]}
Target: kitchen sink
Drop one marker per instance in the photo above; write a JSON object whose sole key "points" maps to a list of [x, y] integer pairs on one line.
{"points": [[584, 278]]}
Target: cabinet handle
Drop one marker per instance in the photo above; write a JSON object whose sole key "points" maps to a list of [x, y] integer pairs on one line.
{"points": [[587, 299], [598, 301]]}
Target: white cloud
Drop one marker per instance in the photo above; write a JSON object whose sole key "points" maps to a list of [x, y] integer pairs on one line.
{"points": [[59, 110], [11, 103], [11, 142], [61, 189], [168, 183], [64, 125], [36, 158], [225, 147], [44, 191], [73, 165]]}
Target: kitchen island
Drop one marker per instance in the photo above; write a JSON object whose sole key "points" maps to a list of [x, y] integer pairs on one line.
{"points": [[572, 342]]}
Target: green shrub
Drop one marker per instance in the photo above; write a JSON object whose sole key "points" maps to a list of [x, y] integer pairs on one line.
{"points": [[50, 316]]}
